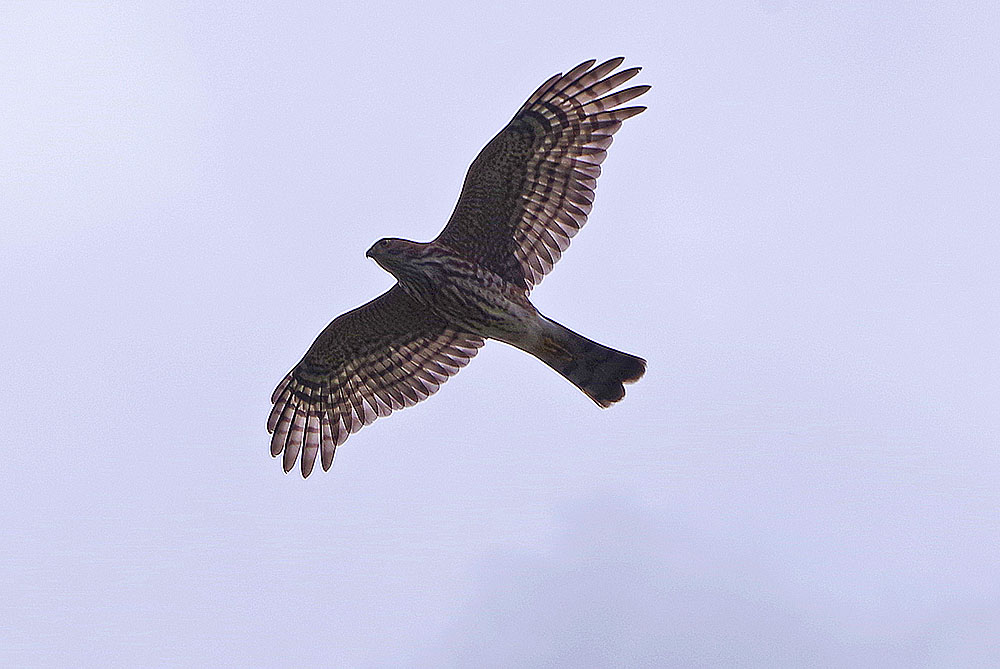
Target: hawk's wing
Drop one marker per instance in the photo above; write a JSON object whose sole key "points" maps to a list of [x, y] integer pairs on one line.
{"points": [[532, 187], [385, 355]]}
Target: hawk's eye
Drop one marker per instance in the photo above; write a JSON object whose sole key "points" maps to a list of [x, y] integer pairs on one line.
{"points": [[384, 243]]}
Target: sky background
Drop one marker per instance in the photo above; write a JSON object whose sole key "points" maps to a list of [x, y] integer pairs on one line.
{"points": [[800, 235]]}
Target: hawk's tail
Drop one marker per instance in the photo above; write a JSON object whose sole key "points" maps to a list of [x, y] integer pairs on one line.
{"points": [[595, 369]]}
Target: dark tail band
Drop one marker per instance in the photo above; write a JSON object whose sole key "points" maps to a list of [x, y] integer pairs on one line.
{"points": [[597, 370]]}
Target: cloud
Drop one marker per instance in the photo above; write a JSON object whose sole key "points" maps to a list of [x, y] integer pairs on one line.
{"points": [[619, 587], [623, 585]]}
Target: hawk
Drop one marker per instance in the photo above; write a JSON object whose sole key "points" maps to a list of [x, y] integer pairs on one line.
{"points": [[525, 195]]}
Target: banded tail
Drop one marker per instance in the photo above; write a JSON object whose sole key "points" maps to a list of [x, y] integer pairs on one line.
{"points": [[597, 370]]}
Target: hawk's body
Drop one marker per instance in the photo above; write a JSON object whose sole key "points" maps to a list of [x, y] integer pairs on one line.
{"points": [[462, 292], [525, 195]]}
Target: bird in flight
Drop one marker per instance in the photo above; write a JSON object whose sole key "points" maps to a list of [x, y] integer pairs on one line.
{"points": [[525, 195]]}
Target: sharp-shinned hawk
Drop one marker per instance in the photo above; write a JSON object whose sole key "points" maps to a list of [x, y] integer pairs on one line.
{"points": [[526, 194]]}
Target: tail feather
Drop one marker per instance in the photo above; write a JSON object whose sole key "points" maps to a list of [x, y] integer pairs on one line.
{"points": [[597, 370]]}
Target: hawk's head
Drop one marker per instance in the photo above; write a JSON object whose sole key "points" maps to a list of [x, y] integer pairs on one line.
{"points": [[394, 255]]}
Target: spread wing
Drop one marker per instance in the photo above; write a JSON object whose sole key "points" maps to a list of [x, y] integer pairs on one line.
{"points": [[385, 355], [530, 190]]}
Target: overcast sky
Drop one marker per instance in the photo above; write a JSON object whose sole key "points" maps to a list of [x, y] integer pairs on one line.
{"points": [[800, 235]]}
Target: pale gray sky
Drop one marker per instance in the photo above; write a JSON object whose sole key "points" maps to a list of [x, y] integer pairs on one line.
{"points": [[800, 235]]}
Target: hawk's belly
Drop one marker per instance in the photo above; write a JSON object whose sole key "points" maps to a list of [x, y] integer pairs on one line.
{"points": [[487, 313], [482, 303]]}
